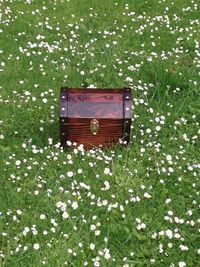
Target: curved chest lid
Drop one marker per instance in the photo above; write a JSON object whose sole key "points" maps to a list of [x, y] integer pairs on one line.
{"points": [[95, 103]]}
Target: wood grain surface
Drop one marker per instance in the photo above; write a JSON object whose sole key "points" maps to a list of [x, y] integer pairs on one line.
{"points": [[78, 130]]}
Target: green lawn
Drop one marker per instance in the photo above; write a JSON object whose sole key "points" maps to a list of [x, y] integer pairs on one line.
{"points": [[131, 207]]}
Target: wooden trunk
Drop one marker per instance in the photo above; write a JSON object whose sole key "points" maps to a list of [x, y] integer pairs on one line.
{"points": [[95, 117]]}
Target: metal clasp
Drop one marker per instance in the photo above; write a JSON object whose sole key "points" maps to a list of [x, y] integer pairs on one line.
{"points": [[94, 126]]}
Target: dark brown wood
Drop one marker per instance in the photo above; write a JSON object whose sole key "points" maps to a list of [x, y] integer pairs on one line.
{"points": [[109, 108], [78, 130]]}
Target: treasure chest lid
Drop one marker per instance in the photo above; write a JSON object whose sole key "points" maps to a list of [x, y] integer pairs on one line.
{"points": [[95, 103]]}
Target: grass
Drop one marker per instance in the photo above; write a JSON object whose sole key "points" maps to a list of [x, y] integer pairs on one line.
{"points": [[137, 206]]}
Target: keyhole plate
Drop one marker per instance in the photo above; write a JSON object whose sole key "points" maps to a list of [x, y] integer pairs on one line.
{"points": [[94, 126]]}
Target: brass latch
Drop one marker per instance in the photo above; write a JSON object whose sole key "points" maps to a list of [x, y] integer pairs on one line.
{"points": [[94, 126]]}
